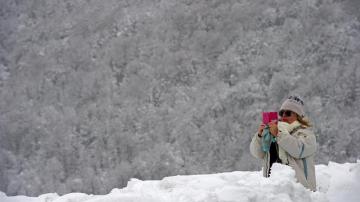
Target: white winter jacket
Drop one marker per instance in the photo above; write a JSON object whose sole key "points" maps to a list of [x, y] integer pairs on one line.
{"points": [[296, 149]]}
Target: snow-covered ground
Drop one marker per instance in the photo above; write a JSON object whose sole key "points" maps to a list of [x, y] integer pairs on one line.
{"points": [[336, 182]]}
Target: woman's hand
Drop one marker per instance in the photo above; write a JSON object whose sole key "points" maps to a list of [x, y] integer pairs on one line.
{"points": [[261, 129], [273, 128]]}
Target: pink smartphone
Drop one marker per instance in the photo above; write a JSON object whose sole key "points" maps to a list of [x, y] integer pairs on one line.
{"points": [[269, 116]]}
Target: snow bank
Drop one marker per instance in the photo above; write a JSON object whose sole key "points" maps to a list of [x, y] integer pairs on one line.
{"points": [[336, 182]]}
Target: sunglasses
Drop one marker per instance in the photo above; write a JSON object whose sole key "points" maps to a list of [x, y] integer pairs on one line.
{"points": [[285, 113]]}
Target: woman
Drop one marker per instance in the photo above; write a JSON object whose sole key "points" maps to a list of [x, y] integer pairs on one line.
{"points": [[294, 145]]}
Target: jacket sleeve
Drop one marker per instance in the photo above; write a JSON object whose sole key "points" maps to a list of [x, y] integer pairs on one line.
{"points": [[300, 145], [255, 147]]}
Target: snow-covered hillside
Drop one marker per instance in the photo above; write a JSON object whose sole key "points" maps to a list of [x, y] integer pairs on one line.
{"points": [[122, 89], [336, 182]]}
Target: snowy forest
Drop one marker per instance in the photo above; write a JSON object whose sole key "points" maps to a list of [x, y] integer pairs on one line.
{"points": [[93, 93]]}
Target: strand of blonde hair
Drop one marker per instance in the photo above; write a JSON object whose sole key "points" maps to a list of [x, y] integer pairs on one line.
{"points": [[304, 121]]}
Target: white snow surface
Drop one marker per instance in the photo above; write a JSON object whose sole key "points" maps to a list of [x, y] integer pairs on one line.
{"points": [[335, 182]]}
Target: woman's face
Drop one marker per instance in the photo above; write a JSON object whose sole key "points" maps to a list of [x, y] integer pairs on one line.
{"points": [[288, 116]]}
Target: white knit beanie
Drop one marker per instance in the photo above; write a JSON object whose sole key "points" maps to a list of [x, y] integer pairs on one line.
{"points": [[294, 104]]}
